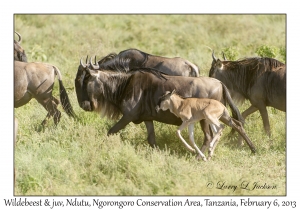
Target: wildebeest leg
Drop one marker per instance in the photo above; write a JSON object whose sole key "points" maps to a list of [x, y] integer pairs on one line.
{"points": [[119, 125], [51, 106], [207, 134], [180, 128], [264, 114], [55, 102], [237, 126], [212, 120], [24, 100], [44, 123], [245, 114], [192, 140], [215, 141], [151, 133]]}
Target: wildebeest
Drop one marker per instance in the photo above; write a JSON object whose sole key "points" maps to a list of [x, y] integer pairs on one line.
{"points": [[135, 93], [137, 59], [19, 52], [192, 110], [262, 81], [36, 80]]}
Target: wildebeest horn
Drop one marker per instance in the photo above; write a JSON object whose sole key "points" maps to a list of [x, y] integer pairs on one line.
{"points": [[224, 57], [86, 60], [83, 65], [213, 56], [20, 37], [95, 60], [94, 66]]}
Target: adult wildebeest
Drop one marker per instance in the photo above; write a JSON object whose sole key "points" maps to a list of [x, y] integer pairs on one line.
{"points": [[36, 80], [135, 93], [19, 52], [192, 110], [262, 81], [133, 59]]}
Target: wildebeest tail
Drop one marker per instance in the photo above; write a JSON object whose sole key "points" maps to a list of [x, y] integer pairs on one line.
{"points": [[64, 98], [235, 111], [194, 69]]}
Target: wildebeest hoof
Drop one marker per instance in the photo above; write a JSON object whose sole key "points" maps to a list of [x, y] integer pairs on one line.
{"points": [[240, 143], [203, 158]]}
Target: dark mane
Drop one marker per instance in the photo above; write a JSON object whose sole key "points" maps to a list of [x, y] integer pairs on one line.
{"points": [[107, 58], [244, 72], [112, 62], [117, 62], [268, 63], [113, 90]]}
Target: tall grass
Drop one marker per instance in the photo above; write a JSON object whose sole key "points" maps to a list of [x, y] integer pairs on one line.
{"points": [[77, 157]]}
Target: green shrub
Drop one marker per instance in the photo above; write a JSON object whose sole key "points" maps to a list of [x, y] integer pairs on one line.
{"points": [[282, 52], [37, 54], [230, 53], [267, 51]]}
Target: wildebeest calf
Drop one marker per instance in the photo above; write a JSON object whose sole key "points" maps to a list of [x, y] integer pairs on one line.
{"points": [[192, 110]]}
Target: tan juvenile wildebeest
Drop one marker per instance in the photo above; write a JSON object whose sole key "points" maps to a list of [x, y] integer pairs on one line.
{"points": [[192, 110]]}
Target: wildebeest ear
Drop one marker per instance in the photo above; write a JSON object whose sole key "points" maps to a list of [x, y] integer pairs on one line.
{"points": [[219, 64], [166, 93]]}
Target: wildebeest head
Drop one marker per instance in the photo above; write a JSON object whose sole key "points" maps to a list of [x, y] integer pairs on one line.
{"points": [[19, 52], [83, 74], [216, 65], [164, 101]]}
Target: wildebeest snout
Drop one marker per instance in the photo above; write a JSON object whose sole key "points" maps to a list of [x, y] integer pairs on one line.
{"points": [[86, 105]]}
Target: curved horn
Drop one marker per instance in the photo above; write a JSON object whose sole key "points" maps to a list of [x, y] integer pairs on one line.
{"points": [[213, 56], [94, 66], [224, 57], [96, 63], [20, 37], [81, 64], [86, 60], [95, 60]]}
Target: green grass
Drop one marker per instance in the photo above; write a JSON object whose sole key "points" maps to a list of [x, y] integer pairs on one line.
{"points": [[77, 157]]}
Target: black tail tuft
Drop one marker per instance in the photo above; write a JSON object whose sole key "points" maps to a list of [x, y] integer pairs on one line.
{"points": [[235, 111], [65, 102]]}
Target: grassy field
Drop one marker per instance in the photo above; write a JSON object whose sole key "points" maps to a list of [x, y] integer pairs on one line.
{"points": [[77, 157]]}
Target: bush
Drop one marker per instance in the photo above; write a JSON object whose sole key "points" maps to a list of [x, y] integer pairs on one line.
{"points": [[230, 53], [37, 54], [267, 51], [282, 52]]}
